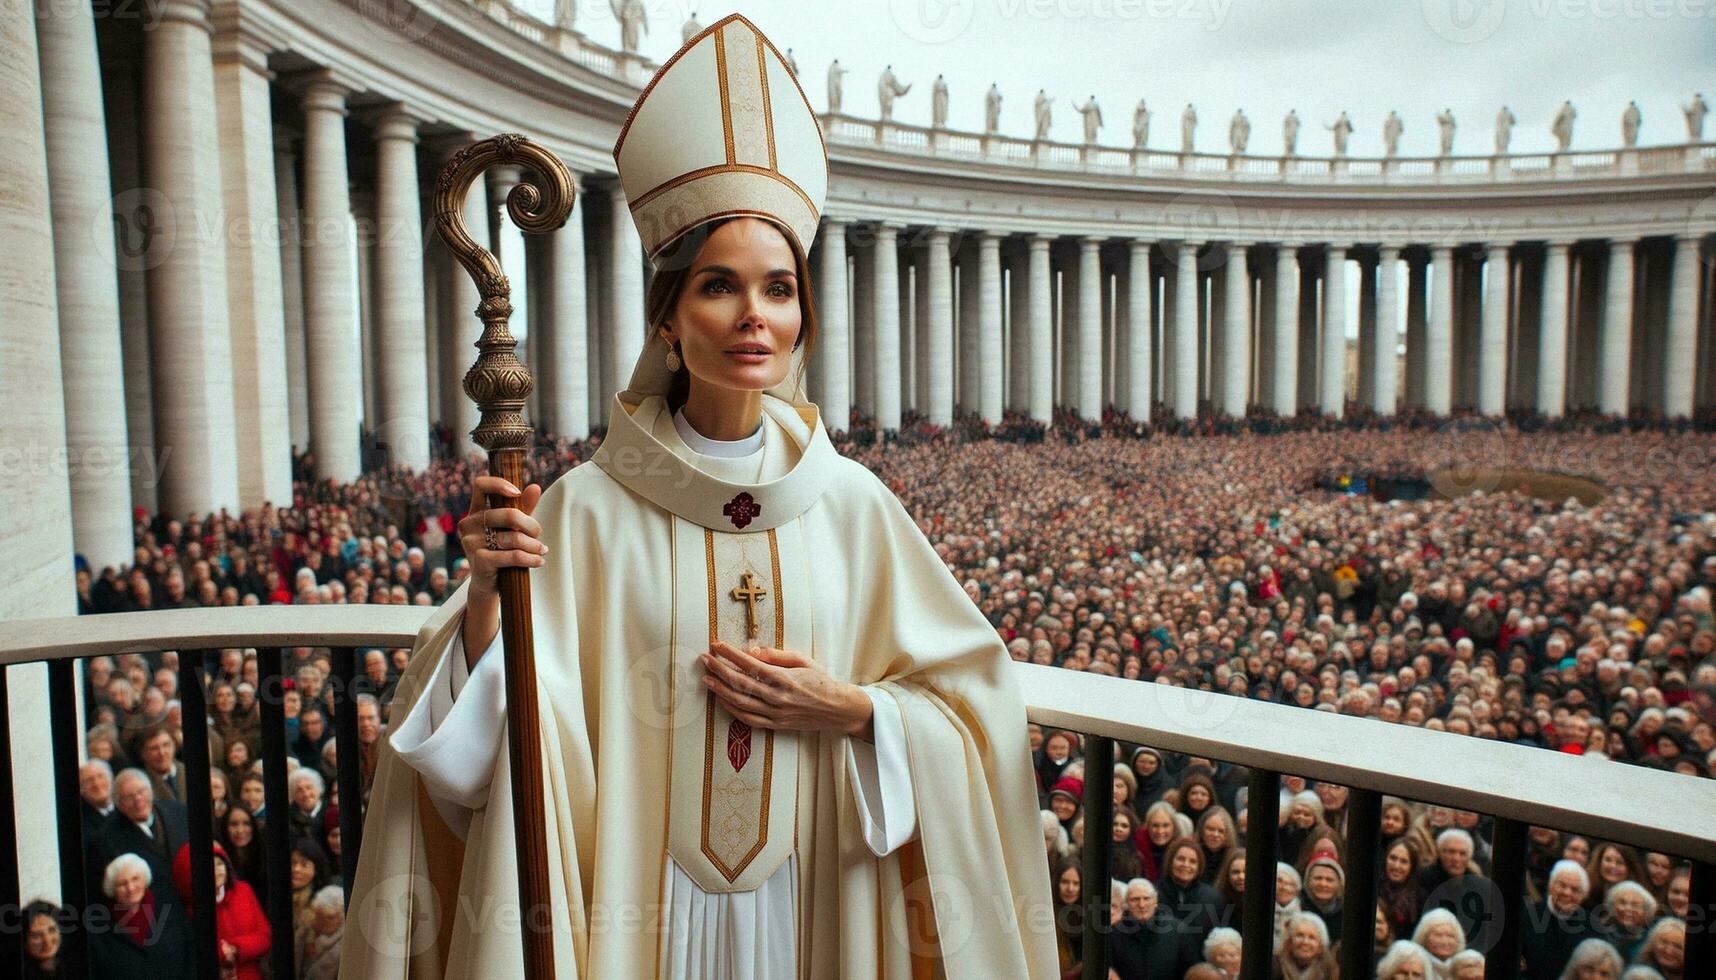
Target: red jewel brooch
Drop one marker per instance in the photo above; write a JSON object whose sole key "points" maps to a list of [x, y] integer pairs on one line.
{"points": [[741, 509]]}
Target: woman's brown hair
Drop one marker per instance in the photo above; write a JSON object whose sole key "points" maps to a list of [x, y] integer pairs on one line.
{"points": [[668, 282]]}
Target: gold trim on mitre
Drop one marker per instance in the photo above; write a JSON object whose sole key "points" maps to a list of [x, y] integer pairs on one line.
{"points": [[723, 128]]}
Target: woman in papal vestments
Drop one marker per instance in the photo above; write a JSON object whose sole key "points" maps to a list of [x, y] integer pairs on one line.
{"points": [[778, 739]]}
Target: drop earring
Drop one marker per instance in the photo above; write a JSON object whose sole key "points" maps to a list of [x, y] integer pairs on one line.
{"points": [[673, 363]]}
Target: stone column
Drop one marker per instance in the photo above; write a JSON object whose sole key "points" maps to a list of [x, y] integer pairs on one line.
{"points": [[989, 326], [1614, 366], [1366, 331], [1552, 341], [1439, 335], [624, 337], [1236, 333], [566, 335], [1384, 374], [965, 326], [122, 88], [400, 325], [330, 305], [864, 321], [190, 338], [255, 303], [1089, 397], [36, 576], [91, 355], [292, 287], [886, 298], [1417, 283], [834, 347], [1681, 366], [1140, 294], [919, 251], [1040, 325], [1018, 263], [938, 364], [362, 221], [1286, 381], [1492, 342], [908, 330], [1185, 329], [1332, 391]]}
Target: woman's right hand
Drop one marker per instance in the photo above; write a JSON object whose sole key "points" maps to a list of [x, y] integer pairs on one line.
{"points": [[517, 535]]}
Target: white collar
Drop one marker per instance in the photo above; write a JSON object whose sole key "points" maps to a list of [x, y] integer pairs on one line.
{"points": [[725, 449]]}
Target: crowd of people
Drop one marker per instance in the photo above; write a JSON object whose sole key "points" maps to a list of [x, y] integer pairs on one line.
{"points": [[1214, 554]]}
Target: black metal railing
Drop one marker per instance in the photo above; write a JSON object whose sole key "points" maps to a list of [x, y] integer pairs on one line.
{"points": [[1660, 811], [271, 631], [1517, 786]]}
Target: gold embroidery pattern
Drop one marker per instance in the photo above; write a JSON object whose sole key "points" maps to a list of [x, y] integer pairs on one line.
{"points": [[731, 823], [721, 77]]}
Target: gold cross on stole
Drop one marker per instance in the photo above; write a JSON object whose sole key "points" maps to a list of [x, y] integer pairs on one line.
{"points": [[749, 593]]}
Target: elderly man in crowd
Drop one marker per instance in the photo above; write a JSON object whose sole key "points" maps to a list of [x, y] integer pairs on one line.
{"points": [[140, 824]]}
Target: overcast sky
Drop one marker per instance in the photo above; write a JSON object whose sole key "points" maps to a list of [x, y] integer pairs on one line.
{"points": [[1265, 56]]}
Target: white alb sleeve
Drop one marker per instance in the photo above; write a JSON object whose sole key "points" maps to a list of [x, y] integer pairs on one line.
{"points": [[452, 734], [881, 778]]}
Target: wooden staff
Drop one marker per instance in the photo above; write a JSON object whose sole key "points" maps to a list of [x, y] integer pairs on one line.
{"points": [[498, 382]]}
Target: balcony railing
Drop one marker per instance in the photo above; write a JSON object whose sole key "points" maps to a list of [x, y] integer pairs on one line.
{"points": [[1516, 785], [1013, 151]]}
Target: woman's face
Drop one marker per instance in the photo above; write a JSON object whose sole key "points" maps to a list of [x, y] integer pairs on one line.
{"points": [[219, 874], [1599, 969], [1215, 834], [741, 296], [1121, 792], [1197, 797], [42, 942], [224, 698], [1285, 889], [1577, 849], [1069, 886], [1236, 876], [1063, 806], [1398, 865], [1629, 907], [1679, 894], [1160, 827], [1671, 950], [1612, 866], [303, 871], [1381, 928], [1225, 957], [1441, 941], [1470, 970], [1304, 943], [1323, 883], [128, 888], [1301, 816], [1393, 822], [239, 829], [1145, 764], [251, 794], [1184, 866], [1122, 828], [1660, 867]]}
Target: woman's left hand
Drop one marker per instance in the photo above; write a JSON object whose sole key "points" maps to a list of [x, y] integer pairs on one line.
{"points": [[768, 688]]}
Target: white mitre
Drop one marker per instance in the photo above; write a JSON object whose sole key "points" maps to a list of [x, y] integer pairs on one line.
{"points": [[723, 129]]}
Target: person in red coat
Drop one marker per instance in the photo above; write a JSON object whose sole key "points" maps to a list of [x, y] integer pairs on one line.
{"points": [[241, 928]]}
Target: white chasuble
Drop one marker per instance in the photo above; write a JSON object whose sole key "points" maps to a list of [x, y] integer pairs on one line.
{"points": [[684, 843]]}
